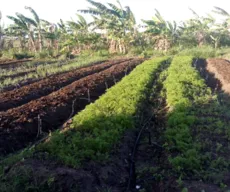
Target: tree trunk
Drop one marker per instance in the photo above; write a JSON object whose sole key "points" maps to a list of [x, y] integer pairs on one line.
{"points": [[40, 40], [112, 46], [32, 42]]}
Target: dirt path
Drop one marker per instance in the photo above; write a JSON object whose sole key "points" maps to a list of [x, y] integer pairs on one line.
{"points": [[17, 97], [19, 126]]}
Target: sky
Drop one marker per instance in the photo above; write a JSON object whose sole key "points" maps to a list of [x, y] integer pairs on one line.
{"points": [[54, 10]]}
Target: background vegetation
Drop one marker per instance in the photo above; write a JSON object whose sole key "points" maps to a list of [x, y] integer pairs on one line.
{"points": [[113, 30]]}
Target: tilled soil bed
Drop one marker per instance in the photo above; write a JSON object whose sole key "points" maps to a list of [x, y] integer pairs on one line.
{"points": [[221, 70], [10, 63], [33, 70], [20, 126], [17, 97]]}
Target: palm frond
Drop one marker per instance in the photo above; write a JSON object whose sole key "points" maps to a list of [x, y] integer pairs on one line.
{"points": [[194, 13], [36, 17], [159, 17], [221, 11], [98, 5], [82, 20], [90, 11], [18, 22], [26, 19]]}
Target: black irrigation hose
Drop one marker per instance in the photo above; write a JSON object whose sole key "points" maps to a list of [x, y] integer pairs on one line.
{"points": [[132, 174]]}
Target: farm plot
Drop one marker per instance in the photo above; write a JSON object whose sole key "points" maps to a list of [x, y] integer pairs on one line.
{"points": [[26, 68], [10, 63], [184, 145], [91, 136], [19, 126], [17, 97], [194, 143], [31, 72]]}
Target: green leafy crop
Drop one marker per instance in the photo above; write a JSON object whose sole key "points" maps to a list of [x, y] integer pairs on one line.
{"points": [[97, 128], [184, 88]]}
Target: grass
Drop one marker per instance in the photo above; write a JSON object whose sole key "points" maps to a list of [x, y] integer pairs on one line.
{"points": [[202, 52]]}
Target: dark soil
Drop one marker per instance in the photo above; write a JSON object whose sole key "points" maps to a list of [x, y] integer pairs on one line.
{"points": [[17, 75], [33, 70], [20, 96], [20, 126], [45, 174], [221, 70], [11, 63], [210, 79], [215, 73]]}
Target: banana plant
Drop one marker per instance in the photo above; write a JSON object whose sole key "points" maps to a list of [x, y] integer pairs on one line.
{"points": [[222, 29], [1, 32], [115, 21], [81, 35], [199, 28], [24, 26], [79, 26], [164, 33], [36, 22]]}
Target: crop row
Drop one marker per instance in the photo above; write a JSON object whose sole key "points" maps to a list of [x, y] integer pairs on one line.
{"points": [[197, 135], [100, 125], [184, 88], [42, 71], [14, 98]]}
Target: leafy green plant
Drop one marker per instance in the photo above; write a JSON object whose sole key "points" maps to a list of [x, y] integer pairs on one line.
{"points": [[100, 125], [195, 135], [184, 87]]}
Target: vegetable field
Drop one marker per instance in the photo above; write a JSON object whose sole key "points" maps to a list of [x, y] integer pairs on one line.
{"points": [[125, 124], [108, 102]]}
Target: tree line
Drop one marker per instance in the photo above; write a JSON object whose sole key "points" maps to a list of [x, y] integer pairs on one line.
{"points": [[114, 28]]}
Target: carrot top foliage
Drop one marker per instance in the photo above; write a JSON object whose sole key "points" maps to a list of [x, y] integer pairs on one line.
{"points": [[194, 124], [100, 125]]}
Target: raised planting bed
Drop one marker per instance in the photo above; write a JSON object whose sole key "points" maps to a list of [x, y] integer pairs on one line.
{"points": [[11, 63], [22, 125], [197, 131], [43, 69], [20, 96], [221, 70], [91, 137]]}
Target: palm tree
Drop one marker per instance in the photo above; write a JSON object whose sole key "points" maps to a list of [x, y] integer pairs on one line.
{"points": [[24, 26], [80, 25], [223, 28], [36, 22], [80, 34], [197, 28], [163, 32], [1, 31], [117, 23]]}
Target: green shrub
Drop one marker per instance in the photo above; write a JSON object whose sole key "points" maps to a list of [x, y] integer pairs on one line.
{"points": [[23, 55], [102, 53], [135, 51]]}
